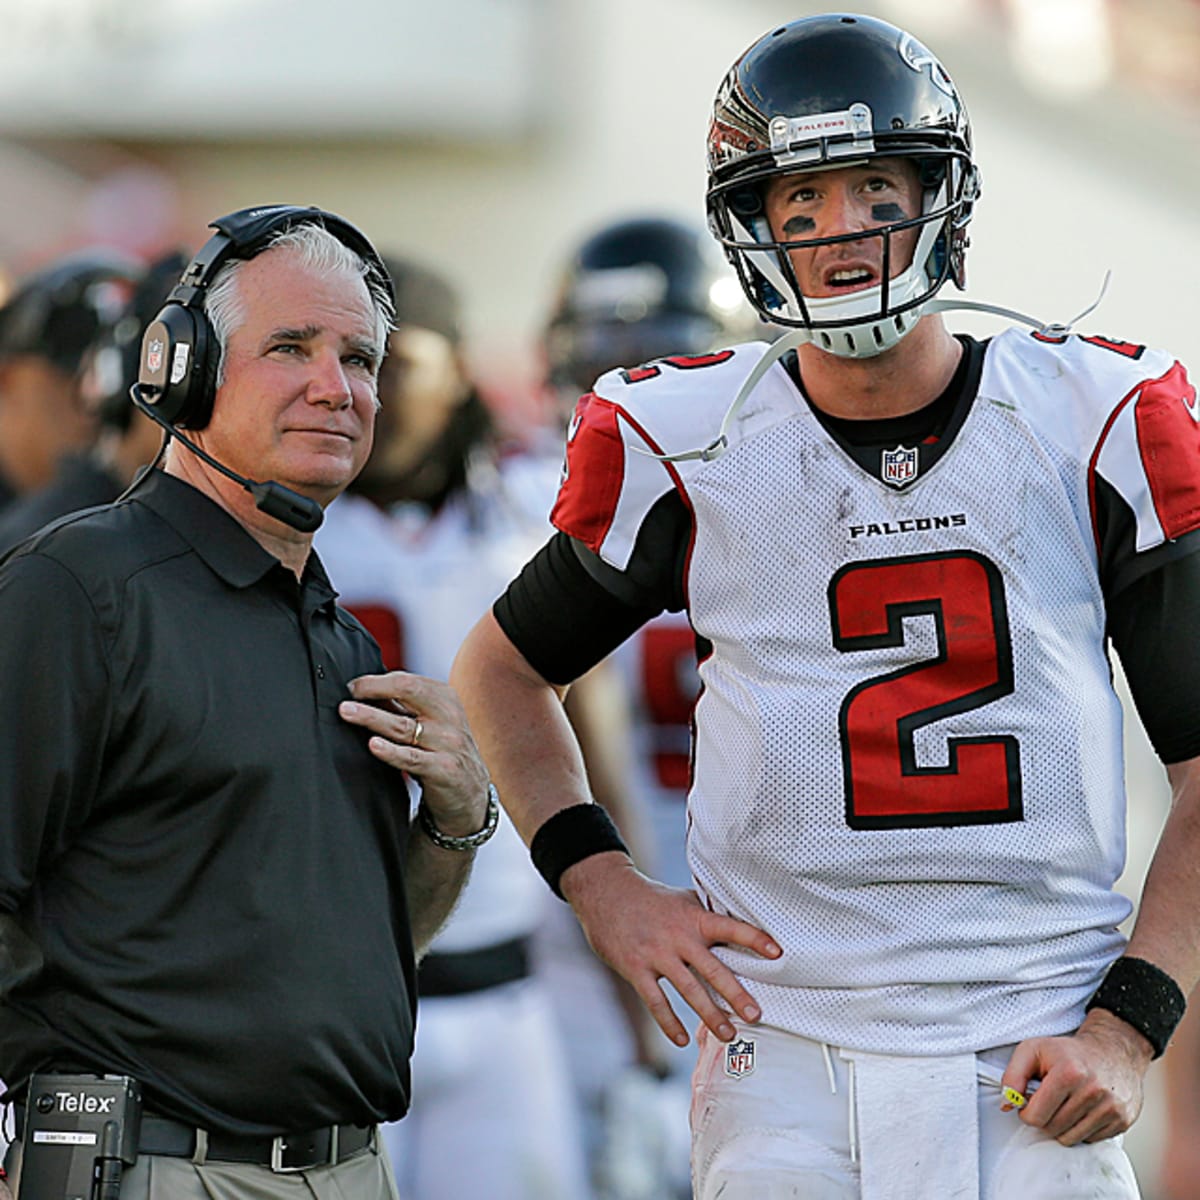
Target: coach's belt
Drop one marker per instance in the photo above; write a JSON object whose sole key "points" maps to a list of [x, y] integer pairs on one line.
{"points": [[287, 1152], [473, 970], [324, 1147]]}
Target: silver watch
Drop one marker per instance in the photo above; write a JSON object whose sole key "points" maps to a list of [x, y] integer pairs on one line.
{"points": [[472, 840]]}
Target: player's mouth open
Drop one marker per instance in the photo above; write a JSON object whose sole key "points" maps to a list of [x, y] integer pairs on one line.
{"points": [[849, 277]]}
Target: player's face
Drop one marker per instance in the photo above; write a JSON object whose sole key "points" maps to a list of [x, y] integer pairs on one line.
{"points": [[45, 418], [819, 204], [297, 403], [422, 386]]}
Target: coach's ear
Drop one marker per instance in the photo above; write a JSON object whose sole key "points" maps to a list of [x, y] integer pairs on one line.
{"points": [[20, 957]]}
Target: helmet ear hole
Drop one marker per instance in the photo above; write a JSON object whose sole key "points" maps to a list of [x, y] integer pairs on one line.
{"points": [[745, 202], [932, 172]]}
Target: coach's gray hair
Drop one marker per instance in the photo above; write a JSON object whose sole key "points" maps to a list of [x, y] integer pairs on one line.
{"points": [[317, 249]]}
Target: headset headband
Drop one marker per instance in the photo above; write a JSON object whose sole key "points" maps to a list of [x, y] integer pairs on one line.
{"points": [[245, 233]]}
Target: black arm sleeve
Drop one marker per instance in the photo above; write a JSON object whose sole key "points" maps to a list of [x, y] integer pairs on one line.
{"points": [[1153, 602], [568, 609], [1152, 623], [561, 619]]}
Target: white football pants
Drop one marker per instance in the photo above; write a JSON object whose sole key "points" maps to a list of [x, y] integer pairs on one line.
{"points": [[782, 1117]]}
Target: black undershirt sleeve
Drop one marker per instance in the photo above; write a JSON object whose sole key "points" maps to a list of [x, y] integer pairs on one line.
{"points": [[1152, 623], [560, 618], [1153, 602], [568, 609]]}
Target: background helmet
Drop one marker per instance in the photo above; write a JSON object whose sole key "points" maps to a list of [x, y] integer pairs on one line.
{"points": [[110, 366], [830, 91], [640, 289], [59, 312]]}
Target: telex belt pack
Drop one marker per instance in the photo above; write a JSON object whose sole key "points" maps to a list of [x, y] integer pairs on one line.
{"points": [[74, 1111]]}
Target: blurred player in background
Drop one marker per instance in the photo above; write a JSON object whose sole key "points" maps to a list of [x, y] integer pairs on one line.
{"points": [[635, 289], [46, 328], [906, 553], [126, 439], [421, 545]]}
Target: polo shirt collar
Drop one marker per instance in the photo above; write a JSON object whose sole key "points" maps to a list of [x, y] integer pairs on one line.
{"points": [[219, 538]]}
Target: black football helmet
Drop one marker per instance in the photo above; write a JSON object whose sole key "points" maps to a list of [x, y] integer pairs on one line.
{"points": [[831, 91], [111, 364], [59, 312], [636, 290]]}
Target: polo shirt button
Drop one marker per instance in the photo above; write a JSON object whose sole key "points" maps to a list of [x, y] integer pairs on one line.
{"points": [[320, 671]]}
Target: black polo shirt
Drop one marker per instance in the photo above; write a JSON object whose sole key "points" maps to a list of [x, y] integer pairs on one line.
{"points": [[209, 857]]}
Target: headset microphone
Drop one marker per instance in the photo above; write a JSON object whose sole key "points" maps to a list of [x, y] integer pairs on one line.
{"points": [[300, 512]]}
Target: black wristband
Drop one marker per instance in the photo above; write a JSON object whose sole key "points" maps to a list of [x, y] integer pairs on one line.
{"points": [[568, 837], [1143, 996]]}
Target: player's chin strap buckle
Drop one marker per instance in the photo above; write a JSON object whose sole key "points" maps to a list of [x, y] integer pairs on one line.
{"points": [[708, 453]]}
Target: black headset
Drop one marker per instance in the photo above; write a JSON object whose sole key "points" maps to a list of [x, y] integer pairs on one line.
{"points": [[177, 374], [177, 371]]}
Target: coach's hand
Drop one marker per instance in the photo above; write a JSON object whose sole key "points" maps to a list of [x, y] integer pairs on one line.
{"points": [[419, 726], [5, 1194], [647, 932], [1091, 1081]]}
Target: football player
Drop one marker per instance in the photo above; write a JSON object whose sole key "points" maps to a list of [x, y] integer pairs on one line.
{"points": [[634, 289], [905, 553], [126, 439], [46, 329], [436, 523]]}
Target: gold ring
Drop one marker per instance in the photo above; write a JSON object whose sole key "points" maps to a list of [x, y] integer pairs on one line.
{"points": [[416, 741]]}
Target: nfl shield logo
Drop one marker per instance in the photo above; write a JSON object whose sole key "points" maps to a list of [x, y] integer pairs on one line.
{"points": [[899, 466], [154, 356], [739, 1058]]}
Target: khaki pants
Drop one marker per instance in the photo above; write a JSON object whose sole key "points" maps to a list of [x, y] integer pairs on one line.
{"points": [[363, 1176]]}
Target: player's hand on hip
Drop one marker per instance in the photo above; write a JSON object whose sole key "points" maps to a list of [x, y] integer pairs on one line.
{"points": [[418, 725], [647, 932], [1091, 1081]]}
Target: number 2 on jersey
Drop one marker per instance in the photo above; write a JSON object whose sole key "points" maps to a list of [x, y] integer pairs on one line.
{"points": [[885, 788]]}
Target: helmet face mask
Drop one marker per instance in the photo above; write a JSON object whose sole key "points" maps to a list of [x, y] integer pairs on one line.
{"points": [[831, 92]]}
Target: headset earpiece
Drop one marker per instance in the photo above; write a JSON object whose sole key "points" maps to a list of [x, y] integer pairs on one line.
{"points": [[178, 369]]}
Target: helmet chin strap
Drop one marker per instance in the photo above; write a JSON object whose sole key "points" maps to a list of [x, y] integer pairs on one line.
{"points": [[1051, 329], [799, 337]]}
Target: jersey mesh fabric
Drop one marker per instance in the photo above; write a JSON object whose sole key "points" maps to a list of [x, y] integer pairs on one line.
{"points": [[985, 914]]}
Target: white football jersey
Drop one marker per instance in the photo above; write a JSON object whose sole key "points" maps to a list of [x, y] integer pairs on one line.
{"points": [[419, 583], [908, 758]]}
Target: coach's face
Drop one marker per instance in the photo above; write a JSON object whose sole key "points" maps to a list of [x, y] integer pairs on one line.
{"points": [[297, 401]]}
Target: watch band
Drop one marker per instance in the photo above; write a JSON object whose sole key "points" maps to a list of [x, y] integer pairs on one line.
{"points": [[471, 841]]}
